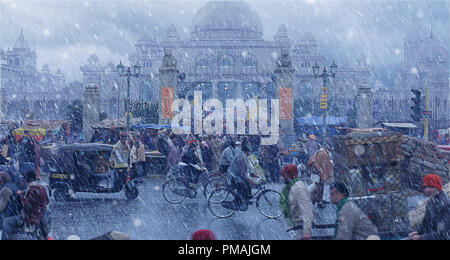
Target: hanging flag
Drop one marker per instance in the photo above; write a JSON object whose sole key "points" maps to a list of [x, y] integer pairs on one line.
{"points": [[285, 103], [166, 102]]}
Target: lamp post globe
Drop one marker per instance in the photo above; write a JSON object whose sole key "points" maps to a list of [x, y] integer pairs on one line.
{"points": [[315, 69], [137, 69], [120, 69]]}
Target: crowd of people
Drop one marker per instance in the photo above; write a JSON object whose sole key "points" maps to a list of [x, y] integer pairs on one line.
{"points": [[212, 152], [24, 200]]}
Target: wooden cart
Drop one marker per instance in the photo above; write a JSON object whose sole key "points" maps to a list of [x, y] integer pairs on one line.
{"points": [[370, 164]]}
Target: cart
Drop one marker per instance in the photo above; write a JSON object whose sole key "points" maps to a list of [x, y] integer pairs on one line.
{"points": [[155, 162], [370, 164]]}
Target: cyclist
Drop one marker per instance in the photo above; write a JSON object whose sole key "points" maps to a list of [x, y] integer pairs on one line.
{"points": [[239, 178], [191, 164]]}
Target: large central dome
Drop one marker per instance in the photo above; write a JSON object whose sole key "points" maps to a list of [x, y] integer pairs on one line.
{"points": [[226, 20]]}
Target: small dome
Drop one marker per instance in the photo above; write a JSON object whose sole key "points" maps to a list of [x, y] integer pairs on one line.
{"points": [[431, 48], [58, 71], [282, 32], [45, 68], [172, 29], [93, 59], [172, 32]]}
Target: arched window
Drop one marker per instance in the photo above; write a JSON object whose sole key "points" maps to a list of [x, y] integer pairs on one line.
{"points": [[249, 65], [202, 65], [226, 64]]}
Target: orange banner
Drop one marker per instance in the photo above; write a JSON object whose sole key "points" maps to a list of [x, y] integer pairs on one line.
{"points": [[285, 103], [166, 102]]}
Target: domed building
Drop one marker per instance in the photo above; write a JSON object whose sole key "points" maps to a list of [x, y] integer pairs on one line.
{"points": [[227, 56], [425, 64]]}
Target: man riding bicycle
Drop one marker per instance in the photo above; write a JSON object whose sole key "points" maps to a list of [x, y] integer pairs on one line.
{"points": [[240, 177], [189, 169]]}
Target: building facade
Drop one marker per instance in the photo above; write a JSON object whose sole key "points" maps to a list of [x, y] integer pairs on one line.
{"points": [[226, 56], [25, 91]]}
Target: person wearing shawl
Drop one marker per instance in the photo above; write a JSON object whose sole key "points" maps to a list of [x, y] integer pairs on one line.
{"points": [[295, 202], [321, 165]]}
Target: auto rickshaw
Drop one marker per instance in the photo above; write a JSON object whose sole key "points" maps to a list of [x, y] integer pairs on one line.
{"points": [[93, 167]]}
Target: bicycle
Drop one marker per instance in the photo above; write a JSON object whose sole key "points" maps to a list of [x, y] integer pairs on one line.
{"points": [[177, 187], [267, 202]]}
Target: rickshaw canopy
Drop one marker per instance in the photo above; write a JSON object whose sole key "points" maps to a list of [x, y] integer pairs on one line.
{"points": [[117, 157], [38, 128]]}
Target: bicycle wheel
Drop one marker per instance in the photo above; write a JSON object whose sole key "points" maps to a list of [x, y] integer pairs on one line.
{"points": [[171, 190], [268, 203], [216, 201], [213, 183]]}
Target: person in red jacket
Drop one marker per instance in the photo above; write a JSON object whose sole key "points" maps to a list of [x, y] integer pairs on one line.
{"points": [[34, 219]]}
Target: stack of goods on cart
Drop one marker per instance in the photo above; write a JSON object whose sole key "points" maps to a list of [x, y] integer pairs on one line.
{"points": [[370, 163], [423, 157]]}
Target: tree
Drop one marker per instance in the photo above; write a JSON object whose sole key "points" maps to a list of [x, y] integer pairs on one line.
{"points": [[74, 114]]}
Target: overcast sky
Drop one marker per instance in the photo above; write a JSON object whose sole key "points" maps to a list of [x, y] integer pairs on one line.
{"points": [[65, 32]]}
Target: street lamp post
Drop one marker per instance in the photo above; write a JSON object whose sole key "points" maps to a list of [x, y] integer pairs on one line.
{"points": [[323, 96], [126, 72]]}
